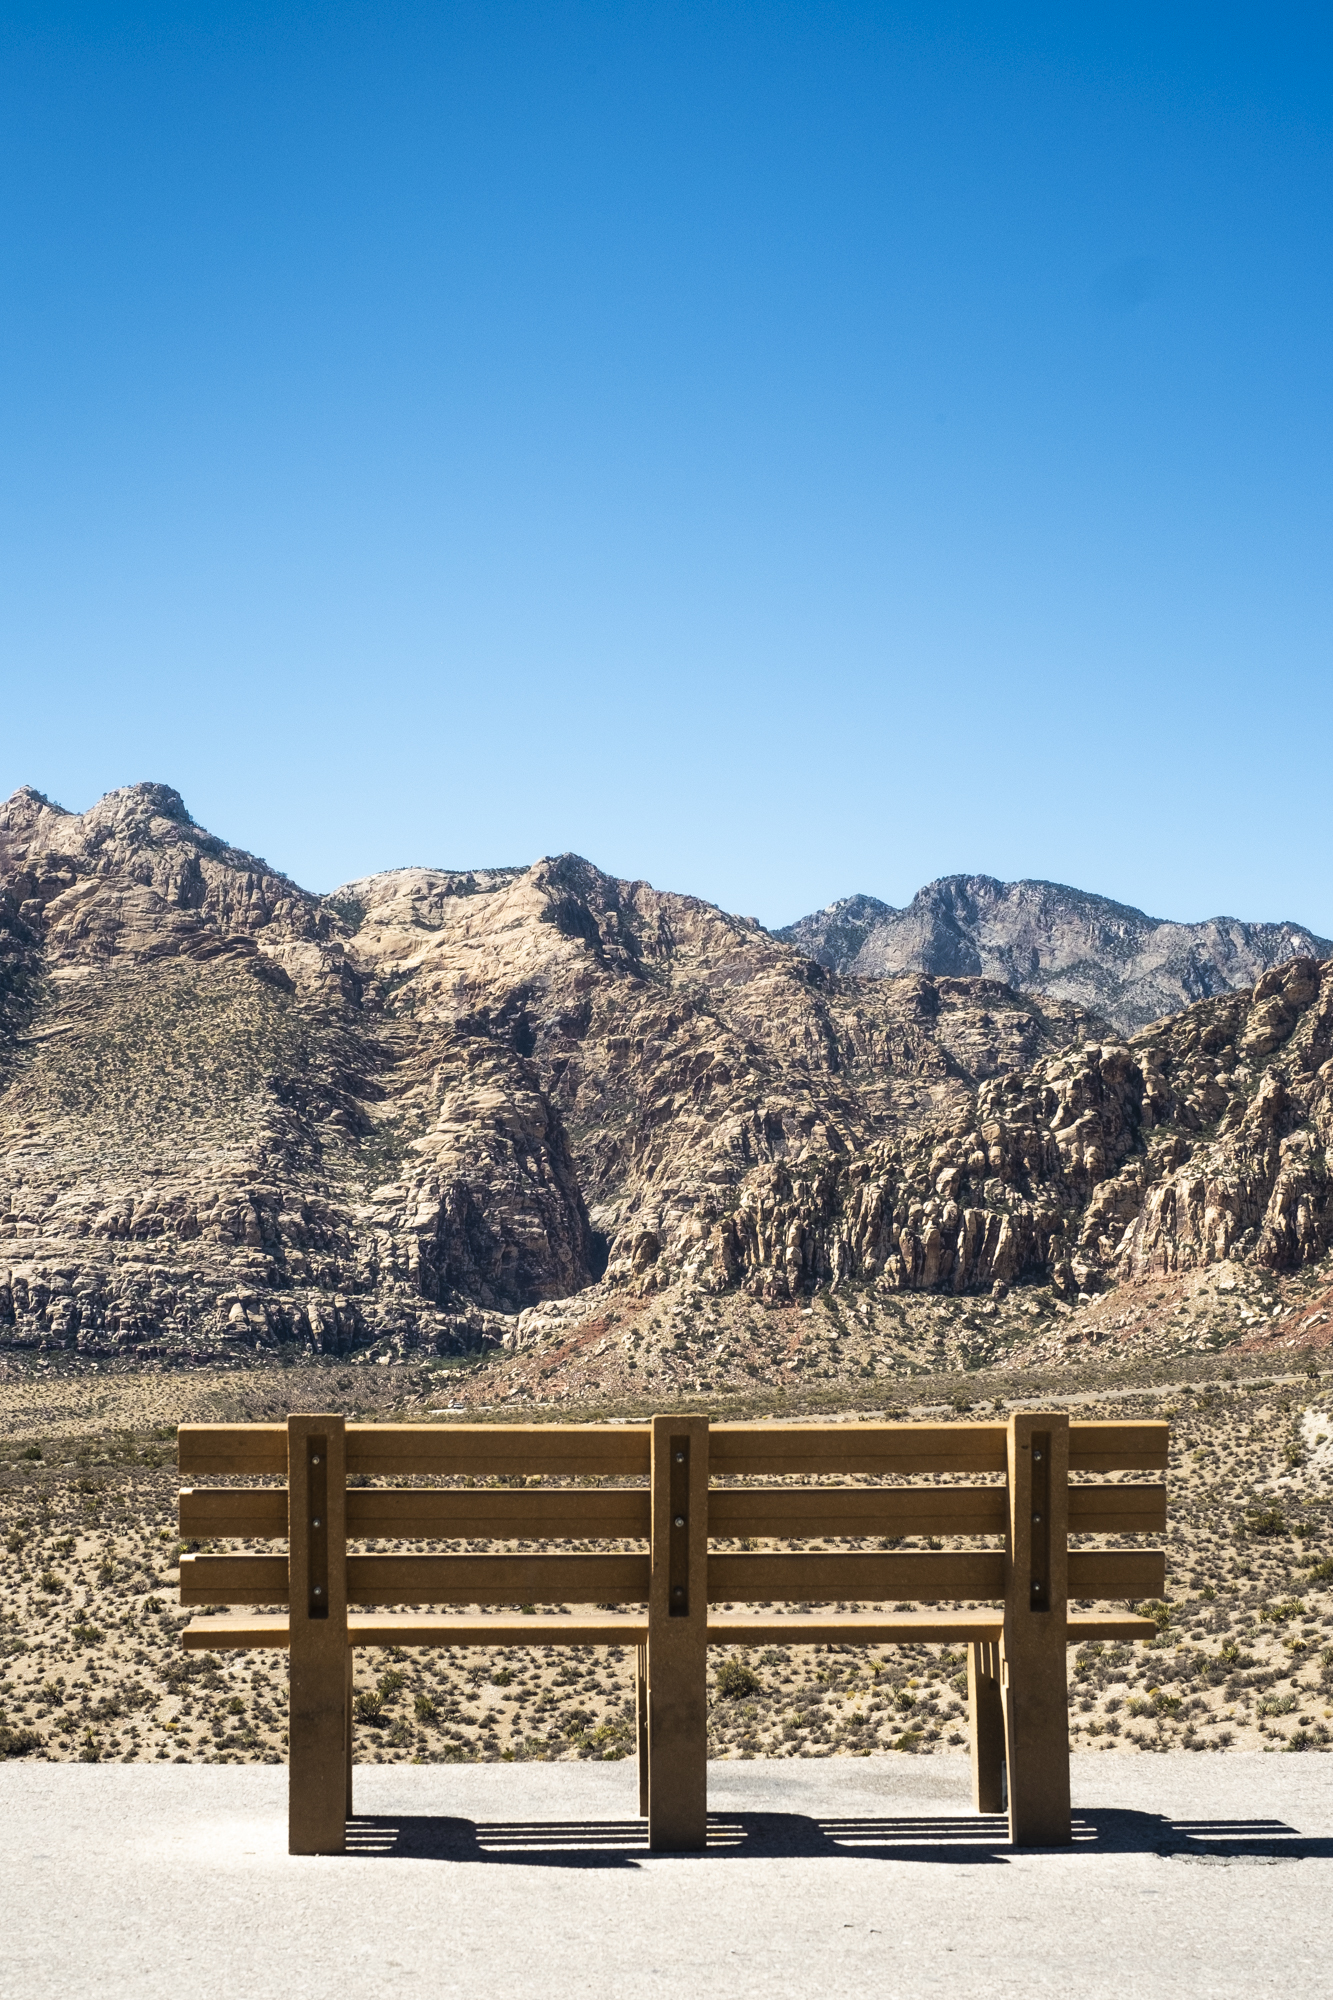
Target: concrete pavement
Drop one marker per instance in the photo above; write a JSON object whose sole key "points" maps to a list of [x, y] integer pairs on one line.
{"points": [[1193, 1875]]}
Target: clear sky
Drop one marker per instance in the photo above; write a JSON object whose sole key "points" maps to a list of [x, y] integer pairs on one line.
{"points": [[775, 450]]}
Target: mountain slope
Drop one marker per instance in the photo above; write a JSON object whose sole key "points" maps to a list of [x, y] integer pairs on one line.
{"points": [[234, 1111], [1203, 1138], [1042, 937]]}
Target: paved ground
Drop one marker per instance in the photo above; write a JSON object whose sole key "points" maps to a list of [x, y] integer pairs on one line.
{"points": [[1191, 1875]]}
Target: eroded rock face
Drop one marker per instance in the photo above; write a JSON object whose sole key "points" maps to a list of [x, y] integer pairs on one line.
{"points": [[1206, 1137], [235, 1112], [1128, 968]]}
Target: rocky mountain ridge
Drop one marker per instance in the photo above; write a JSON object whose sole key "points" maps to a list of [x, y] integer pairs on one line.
{"points": [[1045, 937], [235, 1110], [424, 1111]]}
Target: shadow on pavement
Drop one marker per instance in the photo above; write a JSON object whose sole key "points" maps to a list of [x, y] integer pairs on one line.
{"points": [[954, 1837]]}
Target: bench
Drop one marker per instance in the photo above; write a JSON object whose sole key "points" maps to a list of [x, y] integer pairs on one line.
{"points": [[670, 1597]]}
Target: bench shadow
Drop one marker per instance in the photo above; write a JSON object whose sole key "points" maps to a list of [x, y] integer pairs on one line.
{"points": [[955, 1838]]}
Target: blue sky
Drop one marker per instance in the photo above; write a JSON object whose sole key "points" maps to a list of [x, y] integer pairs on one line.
{"points": [[774, 450]]}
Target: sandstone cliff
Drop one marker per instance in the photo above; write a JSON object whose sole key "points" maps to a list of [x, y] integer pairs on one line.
{"points": [[1042, 937]]}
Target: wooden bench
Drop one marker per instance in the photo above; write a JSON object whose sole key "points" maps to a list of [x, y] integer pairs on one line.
{"points": [[699, 1482]]}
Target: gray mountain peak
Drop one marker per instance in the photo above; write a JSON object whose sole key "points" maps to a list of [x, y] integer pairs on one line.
{"points": [[1046, 937]]}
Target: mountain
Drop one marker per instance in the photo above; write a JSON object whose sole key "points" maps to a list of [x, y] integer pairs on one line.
{"points": [[1040, 937], [236, 1114], [232, 1111]]}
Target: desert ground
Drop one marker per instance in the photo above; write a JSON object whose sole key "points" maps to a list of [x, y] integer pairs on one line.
{"points": [[91, 1667]]}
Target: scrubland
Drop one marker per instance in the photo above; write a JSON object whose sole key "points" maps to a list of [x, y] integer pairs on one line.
{"points": [[91, 1667]]}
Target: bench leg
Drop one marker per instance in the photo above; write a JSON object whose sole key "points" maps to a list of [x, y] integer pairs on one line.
{"points": [[641, 1720], [1032, 1659], [319, 1656], [678, 1637], [985, 1714], [348, 1706]]}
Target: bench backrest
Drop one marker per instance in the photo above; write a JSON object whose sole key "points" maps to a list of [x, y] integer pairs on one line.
{"points": [[698, 1484]]}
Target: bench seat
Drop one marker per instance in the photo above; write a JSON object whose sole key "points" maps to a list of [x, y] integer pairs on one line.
{"points": [[241, 1631]]}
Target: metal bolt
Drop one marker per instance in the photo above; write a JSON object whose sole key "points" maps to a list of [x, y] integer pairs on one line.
{"points": [[680, 1458], [679, 1590], [315, 1459], [680, 1520], [318, 1591], [1036, 1521], [1037, 1457], [315, 1522]]}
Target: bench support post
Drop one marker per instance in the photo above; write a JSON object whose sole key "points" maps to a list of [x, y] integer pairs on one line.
{"points": [[319, 1752], [985, 1715], [678, 1637], [1036, 1611], [641, 1723]]}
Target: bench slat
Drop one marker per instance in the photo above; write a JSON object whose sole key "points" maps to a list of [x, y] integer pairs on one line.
{"points": [[605, 1450], [608, 1450], [913, 1449], [1117, 1510], [239, 1579], [418, 1513], [617, 1450], [780, 1513], [461, 1579], [921, 1578], [232, 1448], [791, 1512], [488, 1579], [245, 1632], [760, 1450], [1117, 1573], [203, 1512], [1119, 1447], [240, 1631]]}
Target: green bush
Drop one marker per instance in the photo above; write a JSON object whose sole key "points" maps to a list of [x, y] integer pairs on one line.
{"points": [[735, 1679]]}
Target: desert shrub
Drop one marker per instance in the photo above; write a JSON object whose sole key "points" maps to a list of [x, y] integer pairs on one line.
{"points": [[32, 1451], [1289, 1607], [1266, 1521], [17, 1741], [390, 1683], [369, 1707], [425, 1708], [734, 1679]]}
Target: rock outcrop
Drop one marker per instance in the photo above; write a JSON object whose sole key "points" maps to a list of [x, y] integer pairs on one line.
{"points": [[1204, 1138], [1042, 937]]}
